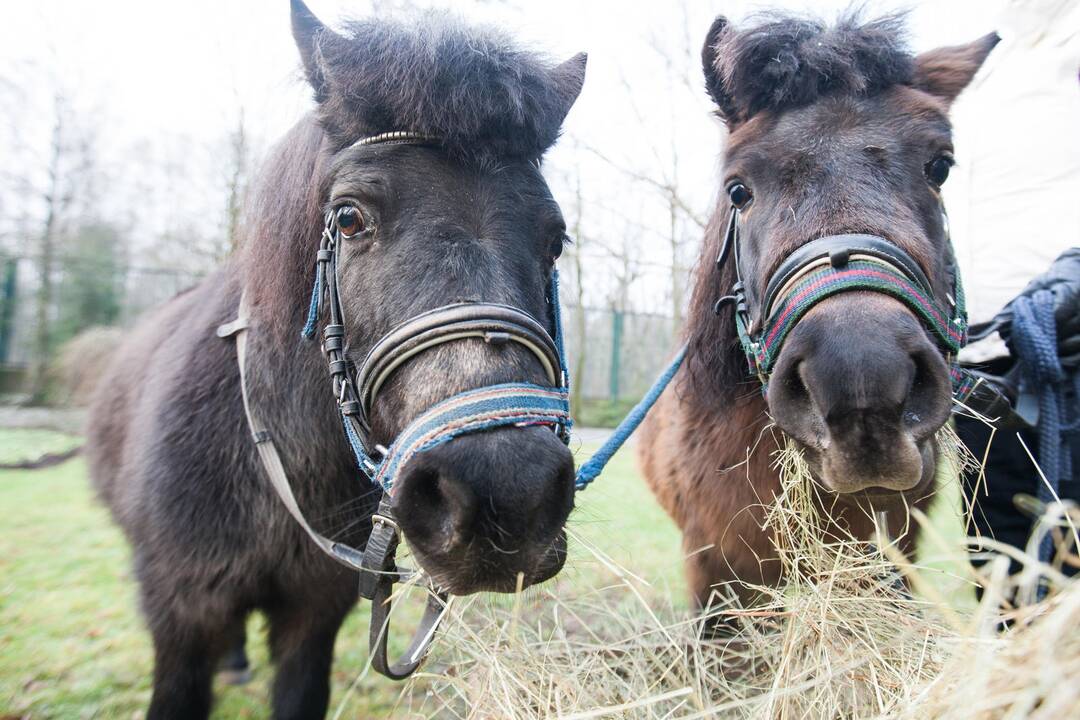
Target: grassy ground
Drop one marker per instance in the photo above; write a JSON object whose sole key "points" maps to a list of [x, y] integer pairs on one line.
{"points": [[72, 644], [30, 444]]}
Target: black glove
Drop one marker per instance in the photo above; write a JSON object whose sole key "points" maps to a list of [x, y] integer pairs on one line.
{"points": [[1063, 280], [994, 397]]}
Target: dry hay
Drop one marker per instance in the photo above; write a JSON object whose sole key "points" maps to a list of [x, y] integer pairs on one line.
{"points": [[844, 639]]}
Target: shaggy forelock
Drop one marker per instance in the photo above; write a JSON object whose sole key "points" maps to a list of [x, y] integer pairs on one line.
{"points": [[469, 86], [783, 62]]}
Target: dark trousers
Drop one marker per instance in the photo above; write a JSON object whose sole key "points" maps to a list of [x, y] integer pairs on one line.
{"points": [[1008, 472]]}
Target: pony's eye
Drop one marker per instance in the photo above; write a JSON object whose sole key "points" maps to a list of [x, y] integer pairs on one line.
{"points": [[937, 170], [740, 195], [557, 244], [350, 221]]}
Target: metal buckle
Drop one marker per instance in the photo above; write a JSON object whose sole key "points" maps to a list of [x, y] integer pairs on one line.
{"points": [[377, 519]]}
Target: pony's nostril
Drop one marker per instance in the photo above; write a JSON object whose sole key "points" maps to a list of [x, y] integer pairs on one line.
{"points": [[798, 387], [928, 401], [920, 380], [447, 506], [461, 506], [793, 405]]}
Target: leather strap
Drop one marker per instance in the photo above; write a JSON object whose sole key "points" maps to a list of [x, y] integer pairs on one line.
{"points": [[437, 606], [268, 453], [376, 565], [377, 585], [492, 322]]}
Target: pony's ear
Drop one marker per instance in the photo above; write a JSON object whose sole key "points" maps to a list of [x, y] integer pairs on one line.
{"points": [[714, 76], [569, 77], [306, 29], [946, 71]]}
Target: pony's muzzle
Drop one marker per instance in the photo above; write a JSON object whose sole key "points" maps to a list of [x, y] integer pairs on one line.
{"points": [[863, 388], [483, 509]]}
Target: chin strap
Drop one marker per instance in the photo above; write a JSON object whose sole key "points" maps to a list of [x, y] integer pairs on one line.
{"points": [[377, 585]]}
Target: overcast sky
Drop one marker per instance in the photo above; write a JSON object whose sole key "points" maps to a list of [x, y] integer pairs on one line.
{"points": [[149, 69], [180, 66]]}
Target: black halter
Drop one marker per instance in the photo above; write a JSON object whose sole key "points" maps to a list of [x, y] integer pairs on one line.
{"points": [[356, 392], [470, 411], [834, 264]]}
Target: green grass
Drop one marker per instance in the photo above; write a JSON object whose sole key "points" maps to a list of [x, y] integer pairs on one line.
{"points": [[602, 412], [72, 644], [19, 445]]}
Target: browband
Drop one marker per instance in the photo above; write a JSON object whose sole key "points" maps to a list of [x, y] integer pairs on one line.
{"points": [[396, 137]]}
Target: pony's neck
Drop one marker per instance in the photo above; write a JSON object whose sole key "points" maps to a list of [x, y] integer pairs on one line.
{"points": [[282, 219], [740, 428], [287, 373]]}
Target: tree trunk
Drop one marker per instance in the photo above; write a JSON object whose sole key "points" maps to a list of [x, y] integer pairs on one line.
{"points": [[237, 181], [46, 252], [577, 385], [676, 272]]}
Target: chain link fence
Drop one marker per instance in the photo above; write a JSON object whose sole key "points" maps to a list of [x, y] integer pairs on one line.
{"points": [[623, 351]]}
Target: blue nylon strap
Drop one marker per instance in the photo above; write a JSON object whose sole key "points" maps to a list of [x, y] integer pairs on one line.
{"points": [[556, 311], [468, 412], [592, 469], [368, 466], [313, 307]]}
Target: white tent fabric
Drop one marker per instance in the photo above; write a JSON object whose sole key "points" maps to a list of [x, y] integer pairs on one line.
{"points": [[1014, 196]]}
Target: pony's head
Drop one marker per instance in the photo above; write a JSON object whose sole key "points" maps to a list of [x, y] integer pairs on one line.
{"points": [[462, 215], [835, 130]]}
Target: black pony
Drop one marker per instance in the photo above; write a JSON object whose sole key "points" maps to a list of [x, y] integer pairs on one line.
{"points": [[468, 218]]}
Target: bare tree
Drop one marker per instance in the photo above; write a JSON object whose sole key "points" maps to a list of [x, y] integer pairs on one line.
{"points": [[237, 171], [67, 166], [655, 161], [575, 252]]}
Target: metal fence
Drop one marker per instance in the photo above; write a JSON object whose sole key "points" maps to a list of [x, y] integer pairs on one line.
{"points": [[624, 351], [133, 290]]}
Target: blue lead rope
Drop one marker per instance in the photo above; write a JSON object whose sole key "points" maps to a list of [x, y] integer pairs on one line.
{"points": [[1034, 332], [595, 465]]}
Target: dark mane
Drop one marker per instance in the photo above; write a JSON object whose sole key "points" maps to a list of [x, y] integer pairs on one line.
{"points": [[281, 230], [466, 85], [781, 61]]}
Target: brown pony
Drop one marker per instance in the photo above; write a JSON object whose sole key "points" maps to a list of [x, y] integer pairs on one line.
{"points": [[831, 130]]}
